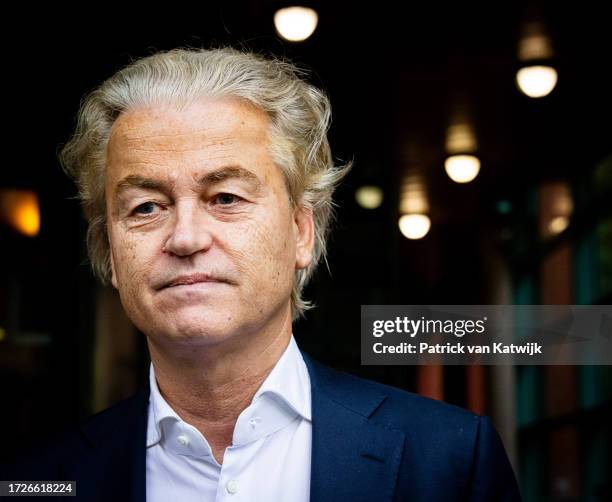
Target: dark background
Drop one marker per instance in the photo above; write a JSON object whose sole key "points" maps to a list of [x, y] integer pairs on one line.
{"points": [[393, 74]]}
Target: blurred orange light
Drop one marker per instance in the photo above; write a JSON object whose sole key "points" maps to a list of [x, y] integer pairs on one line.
{"points": [[558, 225], [20, 209]]}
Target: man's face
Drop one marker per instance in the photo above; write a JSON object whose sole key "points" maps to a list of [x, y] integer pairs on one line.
{"points": [[197, 192]]}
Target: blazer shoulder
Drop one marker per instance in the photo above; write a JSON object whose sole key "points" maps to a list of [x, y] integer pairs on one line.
{"points": [[396, 408], [44, 458]]}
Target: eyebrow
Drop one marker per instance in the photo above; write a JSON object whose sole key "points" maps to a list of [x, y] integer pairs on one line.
{"points": [[216, 176]]}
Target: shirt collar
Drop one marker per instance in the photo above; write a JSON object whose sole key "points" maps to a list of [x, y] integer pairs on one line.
{"points": [[283, 396]]}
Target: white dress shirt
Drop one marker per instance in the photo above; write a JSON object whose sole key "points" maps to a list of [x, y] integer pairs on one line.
{"points": [[268, 461]]}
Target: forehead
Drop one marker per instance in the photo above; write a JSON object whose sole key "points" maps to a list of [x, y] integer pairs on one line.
{"points": [[217, 123]]}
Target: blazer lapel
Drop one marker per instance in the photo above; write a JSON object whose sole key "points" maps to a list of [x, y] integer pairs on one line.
{"points": [[353, 458]]}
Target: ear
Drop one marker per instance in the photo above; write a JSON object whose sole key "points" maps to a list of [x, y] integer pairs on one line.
{"points": [[303, 225], [113, 275]]}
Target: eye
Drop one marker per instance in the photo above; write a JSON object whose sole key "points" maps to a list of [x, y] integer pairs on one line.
{"points": [[145, 208], [226, 199]]}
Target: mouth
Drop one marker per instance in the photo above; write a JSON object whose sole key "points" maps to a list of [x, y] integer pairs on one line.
{"points": [[189, 280]]}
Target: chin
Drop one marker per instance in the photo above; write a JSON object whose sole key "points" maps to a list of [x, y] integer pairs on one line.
{"points": [[197, 325]]}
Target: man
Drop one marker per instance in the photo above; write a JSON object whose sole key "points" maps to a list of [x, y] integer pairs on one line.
{"points": [[206, 177]]}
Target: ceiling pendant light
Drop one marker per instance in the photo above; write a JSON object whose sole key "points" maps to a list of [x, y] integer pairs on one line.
{"points": [[414, 223], [461, 165], [536, 78]]}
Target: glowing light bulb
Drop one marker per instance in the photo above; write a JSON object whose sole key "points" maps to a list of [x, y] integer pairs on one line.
{"points": [[369, 196], [558, 225], [295, 23], [462, 168], [414, 226], [536, 81]]}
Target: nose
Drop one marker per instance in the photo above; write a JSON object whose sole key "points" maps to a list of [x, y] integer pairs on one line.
{"points": [[190, 233]]}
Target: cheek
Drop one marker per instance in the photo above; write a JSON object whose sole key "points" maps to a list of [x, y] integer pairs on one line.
{"points": [[269, 255], [133, 261]]}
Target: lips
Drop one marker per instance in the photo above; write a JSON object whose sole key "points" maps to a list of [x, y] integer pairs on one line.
{"points": [[184, 280]]}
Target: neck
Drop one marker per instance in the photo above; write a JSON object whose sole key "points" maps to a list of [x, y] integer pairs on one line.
{"points": [[211, 386]]}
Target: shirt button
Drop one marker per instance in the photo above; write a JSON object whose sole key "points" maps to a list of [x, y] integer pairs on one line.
{"points": [[184, 440], [232, 486], [254, 421]]}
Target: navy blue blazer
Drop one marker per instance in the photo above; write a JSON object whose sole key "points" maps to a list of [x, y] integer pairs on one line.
{"points": [[370, 442]]}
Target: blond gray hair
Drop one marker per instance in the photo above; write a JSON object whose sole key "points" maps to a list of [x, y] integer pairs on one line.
{"points": [[300, 117]]}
